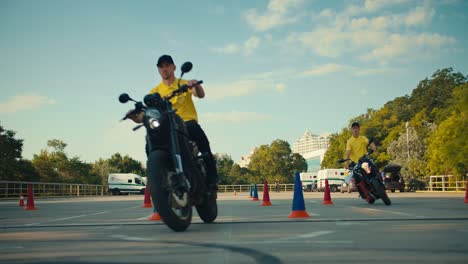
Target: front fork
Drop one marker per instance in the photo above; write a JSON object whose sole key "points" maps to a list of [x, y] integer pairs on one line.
{"points": [[180, 183]]}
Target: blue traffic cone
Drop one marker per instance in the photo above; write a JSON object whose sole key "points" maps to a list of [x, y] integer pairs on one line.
{"points": [[255, 196], [250, 191], [298, 206]]}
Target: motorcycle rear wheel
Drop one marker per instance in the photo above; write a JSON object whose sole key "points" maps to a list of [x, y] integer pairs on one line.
{"points": [[157, 170]]}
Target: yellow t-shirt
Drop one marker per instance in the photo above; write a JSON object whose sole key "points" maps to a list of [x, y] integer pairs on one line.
{"points": [[183, 103], [357, 147]]}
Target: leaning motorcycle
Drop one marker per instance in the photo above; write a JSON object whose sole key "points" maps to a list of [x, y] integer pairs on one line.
{"points": [[176, 170], [368, 181]]}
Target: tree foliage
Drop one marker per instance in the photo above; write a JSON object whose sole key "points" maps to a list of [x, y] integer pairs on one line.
{"points": [[275, 162], [436, 113]]}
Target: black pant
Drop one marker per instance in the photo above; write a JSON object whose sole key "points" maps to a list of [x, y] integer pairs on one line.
{"points": [[197, 134]]}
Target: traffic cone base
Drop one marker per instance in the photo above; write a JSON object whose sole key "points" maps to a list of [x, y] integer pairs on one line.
{"points": [[299, 214], [147, 205], [155, 217], [327, 202], [266, 203]]}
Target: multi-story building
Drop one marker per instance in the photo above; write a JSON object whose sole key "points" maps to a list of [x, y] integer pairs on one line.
{"points": [[312, 148], [309, 142]]}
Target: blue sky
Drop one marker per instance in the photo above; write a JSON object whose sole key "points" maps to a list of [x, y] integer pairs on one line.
{"points": [[271, 69]]}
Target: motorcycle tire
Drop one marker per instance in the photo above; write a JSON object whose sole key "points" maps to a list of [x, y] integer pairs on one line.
{"points": [[208, 210], [380, 189], [157, 170]]}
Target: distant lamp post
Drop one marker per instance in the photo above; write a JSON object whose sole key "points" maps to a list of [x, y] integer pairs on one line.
{"points": [[407, 138]]}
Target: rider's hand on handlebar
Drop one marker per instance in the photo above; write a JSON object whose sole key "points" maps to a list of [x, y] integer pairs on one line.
{"points": [[192, 83], [137, 118]]}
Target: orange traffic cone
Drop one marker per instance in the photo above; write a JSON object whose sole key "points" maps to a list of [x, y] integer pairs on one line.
{"points": [[326, 196], [298, 206], [466, 192], [147, 202], [21, 202], [30, 205], [155, 216], [266, 195]]}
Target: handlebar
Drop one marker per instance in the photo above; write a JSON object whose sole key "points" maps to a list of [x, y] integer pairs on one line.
{"points": [[182, 89]]}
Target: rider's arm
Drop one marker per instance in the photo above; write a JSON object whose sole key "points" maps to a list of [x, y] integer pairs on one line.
{"points": [[348, 154], [197, 90]]}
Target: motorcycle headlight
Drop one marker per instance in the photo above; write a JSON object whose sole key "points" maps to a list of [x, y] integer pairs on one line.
{"points": [[153, 117]]}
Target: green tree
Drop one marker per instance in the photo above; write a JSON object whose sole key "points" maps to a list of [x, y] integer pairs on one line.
{"points": [[10, 154], [409, 153], [448, 149], [336, 149], [126, 164], [275, 161], [54, 166], [224, 165]]}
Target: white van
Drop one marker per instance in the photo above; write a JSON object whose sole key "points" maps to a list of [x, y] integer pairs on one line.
{"points": [[309, 181], [336, 178], [126, 183]]}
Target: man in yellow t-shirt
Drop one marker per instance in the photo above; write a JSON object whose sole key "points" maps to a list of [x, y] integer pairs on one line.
{"points": [[356, 146], [185, 108]]}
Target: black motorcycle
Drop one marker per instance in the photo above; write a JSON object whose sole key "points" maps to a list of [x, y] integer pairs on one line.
{"points": [[176, 170], [368, 181]]}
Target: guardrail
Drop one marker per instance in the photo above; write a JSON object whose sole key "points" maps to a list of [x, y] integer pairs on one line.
{"points": [[13, 189], [245, 188]]}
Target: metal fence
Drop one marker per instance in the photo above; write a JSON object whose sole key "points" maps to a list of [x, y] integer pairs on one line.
{"points": [[443, 183], [246, 188], [13, 189]]}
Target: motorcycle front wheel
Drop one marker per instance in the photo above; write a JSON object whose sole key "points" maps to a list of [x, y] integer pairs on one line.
{"points": [[380, 189], [177, 219], [208, 210]]}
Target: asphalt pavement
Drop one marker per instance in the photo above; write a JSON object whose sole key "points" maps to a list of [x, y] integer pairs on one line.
{"points": [[416, 228]]}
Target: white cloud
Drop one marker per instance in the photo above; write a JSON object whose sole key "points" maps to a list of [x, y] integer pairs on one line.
{"points": [[245, 48], [280, 87], [366, 37], [234, 117], [354, 70], [24, 102], [251, 44], [421, 15], [228, 49], [235, 89], [278, 13], [324, 69], [404, 46]]}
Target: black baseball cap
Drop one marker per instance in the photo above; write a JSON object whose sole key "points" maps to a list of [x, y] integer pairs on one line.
{"points": [[355, 124], [165, 59]]}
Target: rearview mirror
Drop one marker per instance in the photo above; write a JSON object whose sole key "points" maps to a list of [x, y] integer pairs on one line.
{"points": [[123, 98], [186, 67]]}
